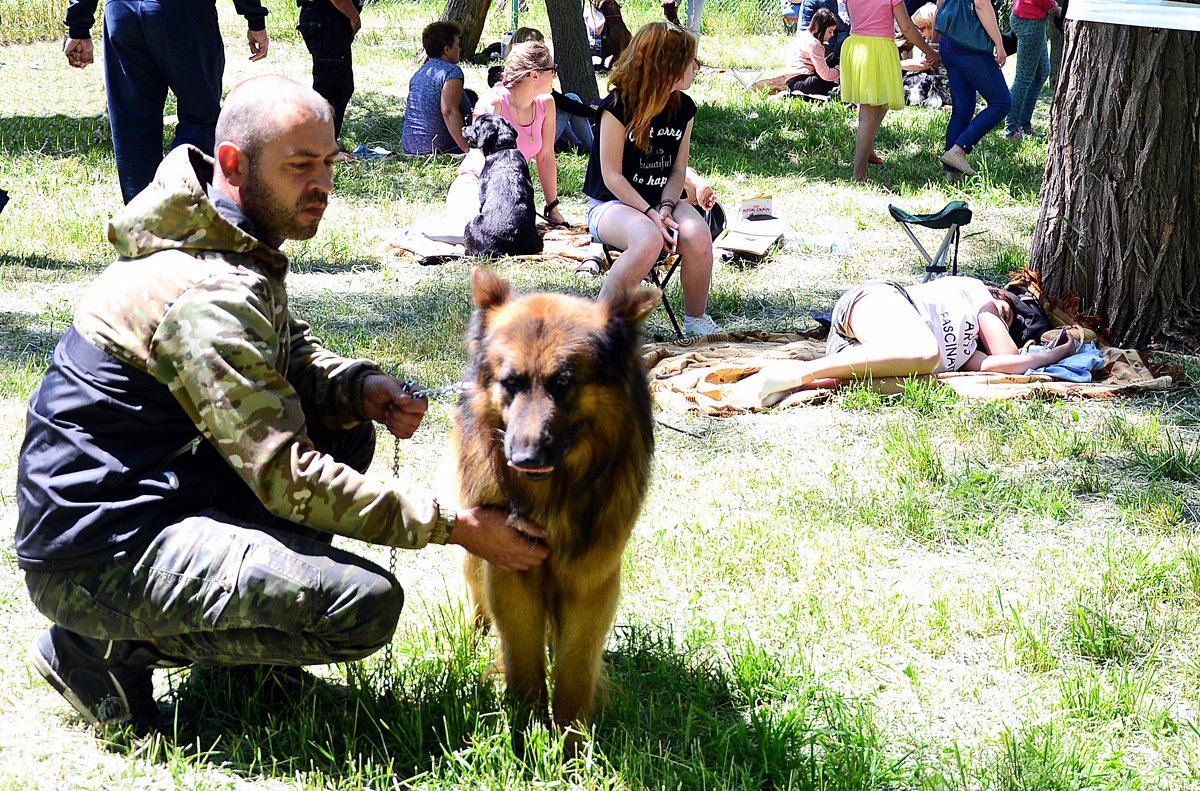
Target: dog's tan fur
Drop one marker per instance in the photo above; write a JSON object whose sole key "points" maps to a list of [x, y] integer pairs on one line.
{"points": [[557, 381]]}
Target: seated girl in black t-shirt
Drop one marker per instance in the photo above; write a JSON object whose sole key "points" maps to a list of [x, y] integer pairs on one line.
{"points": [[637, 168]]}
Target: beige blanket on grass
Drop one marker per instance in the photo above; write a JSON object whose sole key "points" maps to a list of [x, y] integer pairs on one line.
{"points": [[693, 375], [563, 246]]}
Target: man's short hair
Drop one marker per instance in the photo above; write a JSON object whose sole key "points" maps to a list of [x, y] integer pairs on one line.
{"points": [[438, 35], [247, 119]]}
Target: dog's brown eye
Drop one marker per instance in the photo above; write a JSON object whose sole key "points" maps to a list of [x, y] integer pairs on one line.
{"points": [[558, 384], [511, 384]]}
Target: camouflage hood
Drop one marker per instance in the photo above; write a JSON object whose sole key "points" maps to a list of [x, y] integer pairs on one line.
{"points": [[174, 213]]}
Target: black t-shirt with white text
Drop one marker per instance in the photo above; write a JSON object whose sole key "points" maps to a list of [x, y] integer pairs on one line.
{"points": [[648, 170]]}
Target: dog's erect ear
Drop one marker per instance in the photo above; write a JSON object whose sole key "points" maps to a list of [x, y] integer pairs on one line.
{"points": [[634, 306], [488, 289]]}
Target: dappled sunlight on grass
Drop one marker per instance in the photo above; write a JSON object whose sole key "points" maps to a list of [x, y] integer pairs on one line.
{"points": [[908, 591]]}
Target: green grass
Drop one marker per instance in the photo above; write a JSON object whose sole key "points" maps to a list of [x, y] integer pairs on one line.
{"points": [[906, 591]]}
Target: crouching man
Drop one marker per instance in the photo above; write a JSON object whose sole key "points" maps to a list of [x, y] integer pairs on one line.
{"points": [[193, 448]]}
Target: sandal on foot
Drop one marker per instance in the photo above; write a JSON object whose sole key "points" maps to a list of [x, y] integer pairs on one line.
{"points": [[545, 215]]}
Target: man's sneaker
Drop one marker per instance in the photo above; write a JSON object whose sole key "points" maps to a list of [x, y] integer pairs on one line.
{"points": [[1014, 136], [85, 672], [700, 325]]}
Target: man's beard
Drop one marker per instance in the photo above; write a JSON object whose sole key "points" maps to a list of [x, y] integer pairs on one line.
{"points": [[272, 217]]}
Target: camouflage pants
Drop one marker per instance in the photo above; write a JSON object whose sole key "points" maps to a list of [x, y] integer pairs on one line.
{"points": [[233, 586]]}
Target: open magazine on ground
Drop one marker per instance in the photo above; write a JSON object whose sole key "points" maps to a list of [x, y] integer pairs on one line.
{"points": [[753, 236]]}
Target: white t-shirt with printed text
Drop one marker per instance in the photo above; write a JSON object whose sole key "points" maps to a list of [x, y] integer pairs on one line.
{"points": [[950, 306]]}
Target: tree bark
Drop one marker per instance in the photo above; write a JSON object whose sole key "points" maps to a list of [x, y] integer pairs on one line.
{"points": [[575, 72], [471, 14], [1120, 204]]}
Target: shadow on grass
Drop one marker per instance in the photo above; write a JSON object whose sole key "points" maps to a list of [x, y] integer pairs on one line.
{"points": [[20, 342], [680, 718], [428, 319], [743, 134], [55, 135], [676, 718], [781, 138], [377, 119], [45, 263]]}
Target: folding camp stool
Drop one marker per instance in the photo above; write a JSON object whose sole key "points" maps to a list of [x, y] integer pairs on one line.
{"points": [[950, 219], [747, 77], [659, 275]]}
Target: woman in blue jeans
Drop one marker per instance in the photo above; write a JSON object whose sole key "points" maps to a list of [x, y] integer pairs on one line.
{"points": [[972, 52], [1028, 22]]}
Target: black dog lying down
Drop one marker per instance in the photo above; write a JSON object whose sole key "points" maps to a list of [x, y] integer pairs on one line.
{"points": [[506, 223]]}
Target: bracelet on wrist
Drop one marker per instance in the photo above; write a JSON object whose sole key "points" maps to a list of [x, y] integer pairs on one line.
{"points": [[646, 211]]}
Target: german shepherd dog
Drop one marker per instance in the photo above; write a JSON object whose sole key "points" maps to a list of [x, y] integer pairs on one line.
{"points": [[556, 426]]}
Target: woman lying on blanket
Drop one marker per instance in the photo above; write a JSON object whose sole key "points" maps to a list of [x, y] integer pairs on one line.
{"points": [[883, 329]]}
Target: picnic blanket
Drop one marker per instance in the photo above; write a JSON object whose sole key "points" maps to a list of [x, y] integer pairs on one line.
{"points": [[563, 246], [693, 375]]}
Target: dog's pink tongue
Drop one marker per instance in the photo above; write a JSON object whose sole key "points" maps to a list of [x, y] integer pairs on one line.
{"points": [[531, 470]]}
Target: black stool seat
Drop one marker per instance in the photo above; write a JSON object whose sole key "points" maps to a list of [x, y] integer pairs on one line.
{"points": [[956, 213]]}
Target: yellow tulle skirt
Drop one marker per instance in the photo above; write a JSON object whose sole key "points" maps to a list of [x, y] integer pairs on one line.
{"points": [[871, 72]]}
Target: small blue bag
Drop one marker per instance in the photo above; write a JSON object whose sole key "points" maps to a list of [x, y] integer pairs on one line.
{"points": [[957, 21]]}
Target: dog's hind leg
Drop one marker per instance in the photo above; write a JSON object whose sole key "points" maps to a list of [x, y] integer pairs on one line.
{"points": [[473, 574]]}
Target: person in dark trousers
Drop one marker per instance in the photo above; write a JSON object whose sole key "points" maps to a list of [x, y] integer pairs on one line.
{"points": [[328, 28], [150, 47]]}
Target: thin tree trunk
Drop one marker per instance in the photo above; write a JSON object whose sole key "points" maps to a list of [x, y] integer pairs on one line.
{"points": [[471, 14], [571, 50], [1120, 205]]}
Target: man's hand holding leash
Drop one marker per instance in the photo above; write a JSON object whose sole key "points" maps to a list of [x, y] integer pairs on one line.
{"points": [[391, 402]]}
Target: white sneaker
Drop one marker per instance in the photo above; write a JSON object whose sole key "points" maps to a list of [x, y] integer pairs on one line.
{"points": [[700, 325]]}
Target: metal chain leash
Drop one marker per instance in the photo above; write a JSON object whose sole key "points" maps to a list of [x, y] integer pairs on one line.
{"points": [[388, 659], [455, 389]]}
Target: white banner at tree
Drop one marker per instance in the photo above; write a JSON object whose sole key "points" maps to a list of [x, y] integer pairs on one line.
{"points": [[1166, 14]]}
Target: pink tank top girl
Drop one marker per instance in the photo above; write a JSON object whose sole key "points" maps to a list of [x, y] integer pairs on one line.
{"points": [[529, 138]]}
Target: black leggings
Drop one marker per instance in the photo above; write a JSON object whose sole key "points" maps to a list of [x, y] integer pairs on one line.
{"points": [[812, 84]]}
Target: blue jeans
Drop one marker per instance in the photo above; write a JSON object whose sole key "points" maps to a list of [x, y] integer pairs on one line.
{"points": [[972, 73], [1033, 68], [150, 46], [574, 129], [692, 21]]}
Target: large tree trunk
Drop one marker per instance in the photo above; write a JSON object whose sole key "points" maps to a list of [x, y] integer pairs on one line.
{"points": [[1120, 204], [471, 14], [569, 34]]}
